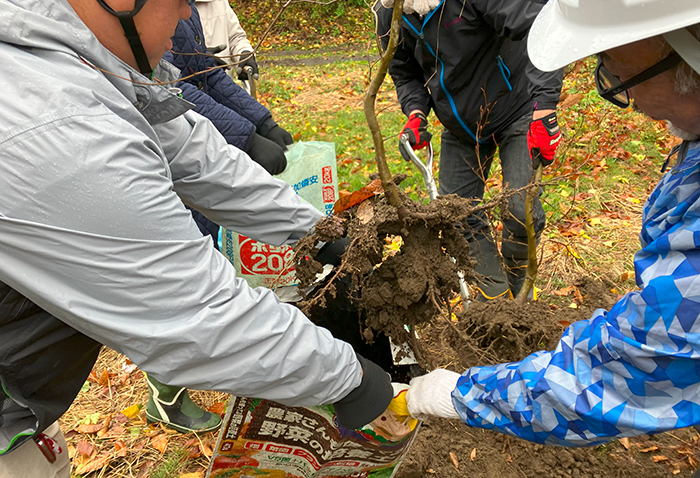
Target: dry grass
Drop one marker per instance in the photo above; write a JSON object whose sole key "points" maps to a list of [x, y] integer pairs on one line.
{"points": [[117, 446]]}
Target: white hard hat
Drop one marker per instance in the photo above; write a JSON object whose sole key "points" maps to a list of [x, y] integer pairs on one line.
{"points": [[568, 30]]}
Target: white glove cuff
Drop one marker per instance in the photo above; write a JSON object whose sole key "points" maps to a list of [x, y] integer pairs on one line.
{"points": [[431, 394]]}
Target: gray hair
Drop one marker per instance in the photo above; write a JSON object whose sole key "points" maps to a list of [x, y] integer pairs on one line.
{"points": [[687, 79]]}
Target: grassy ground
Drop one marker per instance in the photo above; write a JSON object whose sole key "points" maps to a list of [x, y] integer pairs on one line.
{"points": [[608, 163]]}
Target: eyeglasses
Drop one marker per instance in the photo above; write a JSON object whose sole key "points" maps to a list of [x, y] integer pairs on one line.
{"points": [[614, 90]]}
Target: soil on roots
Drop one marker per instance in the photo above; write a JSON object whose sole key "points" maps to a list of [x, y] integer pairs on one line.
{"points": [[400, 288]]}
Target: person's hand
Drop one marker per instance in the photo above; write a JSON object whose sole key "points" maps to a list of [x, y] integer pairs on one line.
{"points": [[274, 132], [543, 137], [367, 402], [431, 395], [218, 61], [416, 129], [247, 58], [267, 154], [280, 136], [395, 423]]}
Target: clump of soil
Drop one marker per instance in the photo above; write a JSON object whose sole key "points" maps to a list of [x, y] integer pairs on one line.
{"points": [[402, 289]]}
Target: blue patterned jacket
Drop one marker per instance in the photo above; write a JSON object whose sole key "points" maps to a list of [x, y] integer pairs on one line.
{"points": [[633, 370]]}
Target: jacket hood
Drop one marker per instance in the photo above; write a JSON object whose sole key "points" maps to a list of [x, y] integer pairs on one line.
{"points": [[53, 26]]}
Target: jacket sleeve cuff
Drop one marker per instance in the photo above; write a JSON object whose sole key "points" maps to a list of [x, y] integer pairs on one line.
{"points": [[545, 104], [369, 400], [267, 124]]}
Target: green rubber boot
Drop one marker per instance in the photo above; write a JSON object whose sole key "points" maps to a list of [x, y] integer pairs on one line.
{"points": [[173, 407]]}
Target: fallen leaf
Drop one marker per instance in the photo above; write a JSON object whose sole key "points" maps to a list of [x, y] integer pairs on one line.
{"points": [[565, 291], [160, 442], [197, 474], [96, 463], [92, 377], [86, 449], [365, 212], [625, 442], [119, 417], [573, 305], [509, 459], [105, 426], [88, 429], [453, 459], [356, 197], [472, 455], [104, 378], [609, 243], [194, 452], [120, 448], [627, 275], [564, 323], [219, 408], [132, 411], [431, 471], [659, 458], [647, 450], [91, 419]]}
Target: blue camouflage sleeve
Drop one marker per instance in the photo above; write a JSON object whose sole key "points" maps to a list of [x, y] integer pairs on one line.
{"points": [[630, 371]]}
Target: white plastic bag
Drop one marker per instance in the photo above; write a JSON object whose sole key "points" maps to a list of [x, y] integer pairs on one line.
{"points": [[311, 171]]}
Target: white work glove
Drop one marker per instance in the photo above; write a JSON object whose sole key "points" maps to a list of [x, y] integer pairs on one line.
{"points": [[421, 7], [431, 394]]}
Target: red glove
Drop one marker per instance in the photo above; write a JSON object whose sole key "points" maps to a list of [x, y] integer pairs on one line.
{"points": [[542, 140], [417, 131]]}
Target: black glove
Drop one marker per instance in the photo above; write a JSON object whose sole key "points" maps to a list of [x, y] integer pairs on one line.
{"points": [[276, 133], [331, 252], [369, 400], [218, 61], [267, 154], [247, 58]]}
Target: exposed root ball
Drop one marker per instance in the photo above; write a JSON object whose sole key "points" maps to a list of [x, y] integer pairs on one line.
{"points": [[394, 288]]}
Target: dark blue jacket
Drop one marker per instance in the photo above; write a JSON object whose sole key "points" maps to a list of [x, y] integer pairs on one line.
{"points": [[467, 60], [234, 112]]}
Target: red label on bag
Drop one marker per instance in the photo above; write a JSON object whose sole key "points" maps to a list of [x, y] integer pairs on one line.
{"points": [[328, 194], [259, 258], [327, 174]]}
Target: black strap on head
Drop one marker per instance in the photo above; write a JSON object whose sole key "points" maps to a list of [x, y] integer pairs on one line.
{"points": [[126, 18]]}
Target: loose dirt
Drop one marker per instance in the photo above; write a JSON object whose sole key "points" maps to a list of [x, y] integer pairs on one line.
{"points": [[500, 331]]}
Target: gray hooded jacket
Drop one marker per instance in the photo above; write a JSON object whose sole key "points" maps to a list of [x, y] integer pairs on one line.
{"points": [[94, 171]]}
